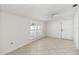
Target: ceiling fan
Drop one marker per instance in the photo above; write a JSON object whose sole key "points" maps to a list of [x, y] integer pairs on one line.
{"points": [[50, 15]]}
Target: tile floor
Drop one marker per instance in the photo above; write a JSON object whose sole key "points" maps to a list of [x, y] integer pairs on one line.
{"points": [[47, 46]]}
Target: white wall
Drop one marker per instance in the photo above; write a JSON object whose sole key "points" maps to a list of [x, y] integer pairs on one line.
{"points": [[0, 33], [16, 30], [54, 27]]}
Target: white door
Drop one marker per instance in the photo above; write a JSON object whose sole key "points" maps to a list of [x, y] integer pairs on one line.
{"points": [[67, 29]]}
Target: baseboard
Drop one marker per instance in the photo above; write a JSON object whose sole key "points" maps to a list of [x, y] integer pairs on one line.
{"points": [[5, 52], [57, 38]]}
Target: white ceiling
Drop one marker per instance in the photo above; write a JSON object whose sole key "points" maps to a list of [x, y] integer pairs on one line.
{"points": [[38, 11]]}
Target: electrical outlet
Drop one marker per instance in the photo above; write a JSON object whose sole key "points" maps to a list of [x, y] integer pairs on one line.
{"points": [[11, 43]]}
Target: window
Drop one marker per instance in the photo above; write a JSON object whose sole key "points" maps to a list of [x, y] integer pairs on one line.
{"points": [[34, 28]]}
